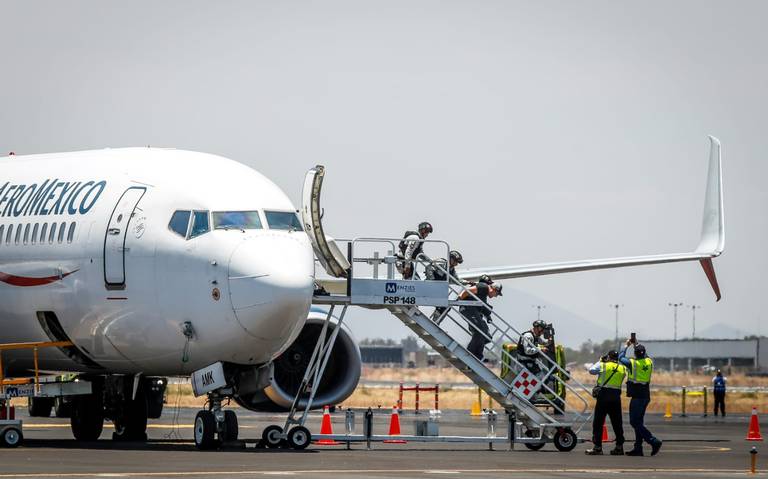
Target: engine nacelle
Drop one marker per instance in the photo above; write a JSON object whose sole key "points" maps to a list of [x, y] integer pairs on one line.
{"points": [[273, 387]]}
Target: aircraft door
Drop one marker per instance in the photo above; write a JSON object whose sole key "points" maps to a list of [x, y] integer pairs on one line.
{"points": [[114, 240]]}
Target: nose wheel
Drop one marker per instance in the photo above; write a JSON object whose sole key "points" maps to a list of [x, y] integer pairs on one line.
{"points": [[215, 425]]}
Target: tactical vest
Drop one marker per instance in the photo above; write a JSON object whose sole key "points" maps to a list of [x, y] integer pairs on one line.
{"points": [[606, 371], [403, 245], [642, 369]]}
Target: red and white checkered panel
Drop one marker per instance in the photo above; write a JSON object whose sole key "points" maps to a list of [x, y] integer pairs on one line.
{"points": [[526, 383]]}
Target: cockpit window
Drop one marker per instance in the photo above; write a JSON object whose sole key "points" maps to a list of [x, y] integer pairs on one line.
{"points": [[244, 220], [200, 224], [283, 220], [179, 223]]}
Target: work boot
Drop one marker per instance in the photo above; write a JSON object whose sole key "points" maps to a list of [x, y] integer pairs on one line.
{"points": [[634, 452], [655, 446], [618, 450], [595, 451]]}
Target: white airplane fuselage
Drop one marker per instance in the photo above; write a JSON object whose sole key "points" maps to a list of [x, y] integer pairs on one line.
{"points": [[122, 284]]}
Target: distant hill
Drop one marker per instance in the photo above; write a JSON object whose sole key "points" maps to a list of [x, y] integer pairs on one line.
{"points": [[721, 331]]}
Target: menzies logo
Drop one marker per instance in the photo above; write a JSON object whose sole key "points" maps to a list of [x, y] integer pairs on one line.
{"points": [[391, 288]]}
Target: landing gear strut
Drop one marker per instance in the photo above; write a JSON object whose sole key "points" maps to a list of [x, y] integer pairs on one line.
{"points": [[215, 426]]}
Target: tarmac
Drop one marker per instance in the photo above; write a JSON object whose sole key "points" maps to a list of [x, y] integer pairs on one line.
{"points": [[693, 447]]}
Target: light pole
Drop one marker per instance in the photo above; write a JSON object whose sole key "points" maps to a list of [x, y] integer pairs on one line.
{"points": [[694, 307], [675, 306], [538, 307], [616, 318]]}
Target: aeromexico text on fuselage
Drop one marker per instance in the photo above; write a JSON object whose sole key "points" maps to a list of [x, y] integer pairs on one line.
{"points": [[49, 197]]}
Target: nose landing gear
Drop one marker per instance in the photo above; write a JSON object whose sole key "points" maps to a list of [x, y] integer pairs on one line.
{"points": [[215, 425]]}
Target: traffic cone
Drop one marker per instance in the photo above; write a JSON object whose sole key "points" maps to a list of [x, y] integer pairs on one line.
{"points": [[668, 411], [326, 428], [754, 427], [394, 428], [605, 433]]}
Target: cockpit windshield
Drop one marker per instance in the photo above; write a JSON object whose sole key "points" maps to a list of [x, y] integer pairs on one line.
{"points": [[244, 220], [283, 220]]}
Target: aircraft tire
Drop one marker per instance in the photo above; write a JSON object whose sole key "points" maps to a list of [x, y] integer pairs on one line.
{"points": [[205, 431], [132, 423], [230, 426], [87, 419], [62, 408], [39, 407]]}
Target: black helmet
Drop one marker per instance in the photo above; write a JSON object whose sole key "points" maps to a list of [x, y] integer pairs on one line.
{"points": [[613, 355], [639, 351], [424, 225], [498, 288], [539, 324], [485, 279], [456, 256]]}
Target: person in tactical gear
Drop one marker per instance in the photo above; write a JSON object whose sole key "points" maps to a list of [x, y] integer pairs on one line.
{"points": [[411, 247], [436, 272], [528, 345], [478, 317], [610, 375], [640, 369]]}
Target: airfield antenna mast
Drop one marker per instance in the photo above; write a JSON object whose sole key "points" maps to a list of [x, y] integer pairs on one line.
{"points": [[538, 307], [694, 307], [616, 319], [675, 306]]}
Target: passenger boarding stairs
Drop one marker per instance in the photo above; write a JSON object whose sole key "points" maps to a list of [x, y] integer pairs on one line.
{"points": [[366, 277]]}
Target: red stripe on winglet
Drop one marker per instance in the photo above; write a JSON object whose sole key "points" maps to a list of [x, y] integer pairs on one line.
{"points": [[14, 280], [709, 270]]}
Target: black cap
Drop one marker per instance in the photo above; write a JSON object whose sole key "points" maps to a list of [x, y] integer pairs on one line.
{"points": [[424, 225], [612, 354], [456, 256], [640, 350]]}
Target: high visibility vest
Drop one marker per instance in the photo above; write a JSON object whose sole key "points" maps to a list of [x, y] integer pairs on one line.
{"points": [[606, 371], [642, 369]]}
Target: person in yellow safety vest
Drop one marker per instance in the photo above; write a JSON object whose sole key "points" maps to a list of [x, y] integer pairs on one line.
{"points": [[610, 376], [639, 389]]}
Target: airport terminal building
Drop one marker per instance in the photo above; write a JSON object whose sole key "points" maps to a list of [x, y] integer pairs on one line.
{"points": [[690, 354]]}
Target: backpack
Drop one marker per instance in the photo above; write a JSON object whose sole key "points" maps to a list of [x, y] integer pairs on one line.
{"points": [[403, 245]]}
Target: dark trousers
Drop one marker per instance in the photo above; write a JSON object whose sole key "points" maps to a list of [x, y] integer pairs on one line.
{"points": [[478, 341], [720, 402], [637, 407], [608, 404]]}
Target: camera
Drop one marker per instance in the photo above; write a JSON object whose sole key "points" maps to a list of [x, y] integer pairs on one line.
{"points": [[549, 332]]}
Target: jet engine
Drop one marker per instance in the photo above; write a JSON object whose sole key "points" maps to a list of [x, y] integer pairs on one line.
{"points": [[273, 387]]}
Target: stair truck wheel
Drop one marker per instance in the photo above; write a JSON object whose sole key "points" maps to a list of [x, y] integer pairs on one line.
{"points": [[299, 438], [535, 446], [565, 440], [12, 437], [231, 430], [205, 430], [271, 436], [39, 407], [62, 408]]}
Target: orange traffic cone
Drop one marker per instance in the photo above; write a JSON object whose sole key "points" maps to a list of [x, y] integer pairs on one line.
{"points": [[605, 434], [754, 427], [326, 428], [394, 428]]}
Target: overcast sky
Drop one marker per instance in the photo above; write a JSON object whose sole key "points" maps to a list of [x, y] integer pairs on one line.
{"points": [[524, 131]]}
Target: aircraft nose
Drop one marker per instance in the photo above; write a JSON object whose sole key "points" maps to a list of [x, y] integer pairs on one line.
{"points": [[271, 280]]}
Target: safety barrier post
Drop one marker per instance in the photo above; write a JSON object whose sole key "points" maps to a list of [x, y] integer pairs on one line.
{"points": [[400, 399], [37, 372], [417, 398], [704, 390], [437, 393], [683, 397], [753, 460]]}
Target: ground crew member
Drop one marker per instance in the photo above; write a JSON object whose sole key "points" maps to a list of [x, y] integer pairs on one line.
{"points": [[718, 383], [640, 369], [610, 375], [411, 247], [528, 346], [479, 316], [437, 273]]}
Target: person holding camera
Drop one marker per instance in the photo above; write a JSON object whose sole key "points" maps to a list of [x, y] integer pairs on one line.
{"points": [[478, 317], [528, 344], [610, 376], [639, 389]]}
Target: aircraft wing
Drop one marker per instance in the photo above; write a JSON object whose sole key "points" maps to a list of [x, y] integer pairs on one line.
{"points": [[710, 245]]}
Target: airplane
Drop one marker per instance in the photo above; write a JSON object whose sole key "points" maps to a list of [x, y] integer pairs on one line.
{"points": [[158, 263]]}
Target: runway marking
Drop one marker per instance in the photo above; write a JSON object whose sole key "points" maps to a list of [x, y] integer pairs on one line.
{"points": [[633, 470], [149, 426], [441, 472]]}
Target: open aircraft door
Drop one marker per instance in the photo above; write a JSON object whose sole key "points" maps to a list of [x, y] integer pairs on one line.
{"points": [[326, 249]]}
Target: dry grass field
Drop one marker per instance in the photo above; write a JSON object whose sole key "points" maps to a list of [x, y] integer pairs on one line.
{"points": [[455, 397]]}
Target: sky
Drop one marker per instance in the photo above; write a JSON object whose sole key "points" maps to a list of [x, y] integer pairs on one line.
{"points": [[525, 132]]}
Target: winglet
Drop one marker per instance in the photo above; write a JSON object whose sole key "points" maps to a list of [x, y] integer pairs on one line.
{"points": [[713, 225]]}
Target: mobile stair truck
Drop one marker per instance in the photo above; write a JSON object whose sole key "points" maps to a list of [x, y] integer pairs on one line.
{"points": [[365, 277]]}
